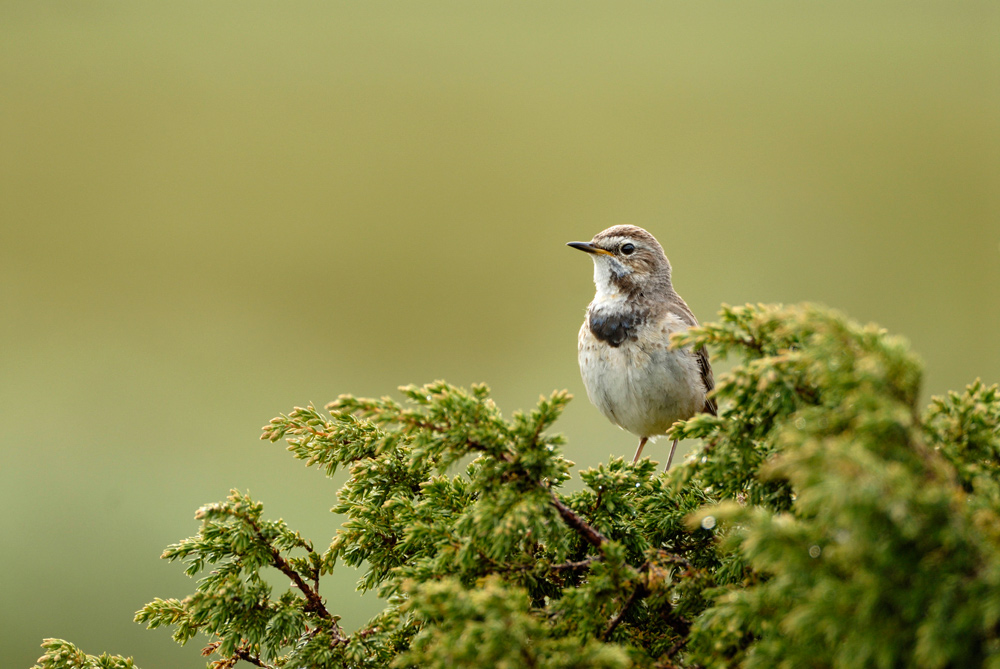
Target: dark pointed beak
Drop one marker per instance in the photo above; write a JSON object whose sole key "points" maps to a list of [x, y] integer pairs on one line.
{"points": [[589, 248]]}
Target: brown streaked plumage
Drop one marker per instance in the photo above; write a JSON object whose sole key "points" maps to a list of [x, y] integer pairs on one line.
{"points": [[631, 374]]}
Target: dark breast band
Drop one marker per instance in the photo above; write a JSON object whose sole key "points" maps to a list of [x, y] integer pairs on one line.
{"points": [[614, 327]]}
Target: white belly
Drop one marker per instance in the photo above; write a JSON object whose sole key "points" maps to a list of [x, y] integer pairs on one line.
{"points": [[642, 386]]}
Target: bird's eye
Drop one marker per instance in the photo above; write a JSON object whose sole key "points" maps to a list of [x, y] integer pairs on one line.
{"points": [[628, 249]]}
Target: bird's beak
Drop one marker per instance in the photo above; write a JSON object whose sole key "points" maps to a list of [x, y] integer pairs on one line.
{"points": [[589, 248]]}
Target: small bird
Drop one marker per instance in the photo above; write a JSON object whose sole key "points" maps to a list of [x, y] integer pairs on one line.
{"points": [[631, 373]]}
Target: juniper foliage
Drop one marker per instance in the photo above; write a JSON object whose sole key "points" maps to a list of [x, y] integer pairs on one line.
{"points": [[824, 522]]}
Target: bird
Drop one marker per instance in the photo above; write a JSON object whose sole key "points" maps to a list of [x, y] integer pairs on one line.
{"points": [[632, 374]]}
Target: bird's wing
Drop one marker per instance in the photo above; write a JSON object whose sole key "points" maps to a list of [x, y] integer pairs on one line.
{"points": [[705, 366], [680, 307]]}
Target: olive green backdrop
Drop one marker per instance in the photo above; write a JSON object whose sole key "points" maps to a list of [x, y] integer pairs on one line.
{"points": [[212, 212]]}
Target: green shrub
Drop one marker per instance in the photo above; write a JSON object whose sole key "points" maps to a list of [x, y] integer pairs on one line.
{"points": [[824, 522]]}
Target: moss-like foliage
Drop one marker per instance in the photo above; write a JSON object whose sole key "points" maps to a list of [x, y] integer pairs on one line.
{"points": [[825, 521]]}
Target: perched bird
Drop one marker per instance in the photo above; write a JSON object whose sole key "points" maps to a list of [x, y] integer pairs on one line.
{"points": [[631, 373]]}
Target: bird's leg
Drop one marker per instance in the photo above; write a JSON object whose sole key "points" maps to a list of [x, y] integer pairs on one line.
{"points": [[638, 451], [670, 458]]}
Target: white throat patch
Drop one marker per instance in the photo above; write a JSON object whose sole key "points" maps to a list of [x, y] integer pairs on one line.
{"points": [[605, 271]]}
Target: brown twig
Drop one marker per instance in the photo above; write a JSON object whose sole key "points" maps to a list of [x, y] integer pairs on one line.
{"points": [[314, 603], [577, 523], [581, 564], [674, 649], [244, 654], [640, 590]]}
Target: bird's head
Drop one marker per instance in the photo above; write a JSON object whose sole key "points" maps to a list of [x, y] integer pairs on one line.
{"points": [[627, 260]]}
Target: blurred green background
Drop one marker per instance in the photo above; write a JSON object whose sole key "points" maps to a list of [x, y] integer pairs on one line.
{"points": [[212, 212]]}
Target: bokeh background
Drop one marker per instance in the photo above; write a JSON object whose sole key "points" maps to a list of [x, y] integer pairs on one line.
{"points": [[213, 212]]}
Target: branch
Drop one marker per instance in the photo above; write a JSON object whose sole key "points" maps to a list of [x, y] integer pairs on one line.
{"points": [[314, 602], [673, 650], [577, 523], [244, 654], [241, 653], [640, 590], [582, 564]]}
